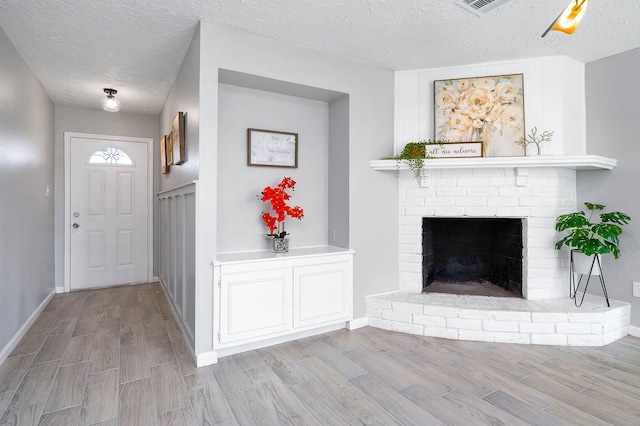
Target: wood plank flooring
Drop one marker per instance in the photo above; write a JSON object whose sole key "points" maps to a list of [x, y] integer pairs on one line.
{"points": [[116, 357]]}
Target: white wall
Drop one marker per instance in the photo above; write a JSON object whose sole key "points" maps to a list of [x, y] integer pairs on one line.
{"points": [[612, 89], [240, 226], [553, 96], [373, 195], [84, 120], [26, 169]]}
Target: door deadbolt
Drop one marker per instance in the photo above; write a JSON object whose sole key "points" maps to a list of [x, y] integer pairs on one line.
{"points": [[75, 225]]}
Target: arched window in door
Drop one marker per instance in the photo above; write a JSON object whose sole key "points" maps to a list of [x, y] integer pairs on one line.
{"points": [[110, 156]]}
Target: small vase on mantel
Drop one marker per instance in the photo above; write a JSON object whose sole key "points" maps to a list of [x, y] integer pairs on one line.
{"points": [[280, 245]]}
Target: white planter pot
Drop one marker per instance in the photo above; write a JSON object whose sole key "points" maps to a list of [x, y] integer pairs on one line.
{"points": [[582, 263]]}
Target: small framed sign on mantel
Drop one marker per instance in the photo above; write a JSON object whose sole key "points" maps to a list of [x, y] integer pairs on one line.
{"points": [[454, 150], [272, 148]]}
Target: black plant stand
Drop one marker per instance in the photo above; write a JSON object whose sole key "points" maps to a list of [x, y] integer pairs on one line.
{"points": [[575, 286]]}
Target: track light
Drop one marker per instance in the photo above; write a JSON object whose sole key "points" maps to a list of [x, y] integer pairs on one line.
{"points": [[568, 20], [110, 103]]}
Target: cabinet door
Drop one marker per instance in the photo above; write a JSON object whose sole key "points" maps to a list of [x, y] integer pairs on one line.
{"points": [[322, 293], [254, 304]]}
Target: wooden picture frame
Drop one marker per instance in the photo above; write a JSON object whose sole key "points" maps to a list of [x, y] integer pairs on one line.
{"points": [[272, 148], [487, 109], [170, 148], [178, 139], [164, 167]]}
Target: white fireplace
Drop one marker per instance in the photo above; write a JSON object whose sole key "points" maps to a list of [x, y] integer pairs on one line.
{"points": [[537, 196], [533, 189]]}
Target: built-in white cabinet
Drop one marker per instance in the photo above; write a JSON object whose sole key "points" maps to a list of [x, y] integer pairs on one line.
{"points": [[254, 303], [261, 296], [322, 293]]}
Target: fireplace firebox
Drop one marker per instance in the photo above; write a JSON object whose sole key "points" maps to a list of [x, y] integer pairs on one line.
{"points": [[468, 251]]}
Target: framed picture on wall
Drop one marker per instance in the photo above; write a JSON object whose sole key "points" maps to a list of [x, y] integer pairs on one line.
{"points": [[481, 109], [170, 148], [272, 148], [178, 139], [164, 168]]}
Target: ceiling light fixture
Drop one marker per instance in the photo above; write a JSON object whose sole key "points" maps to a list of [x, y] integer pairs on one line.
{"points": [[110, 103], [568, 20]]}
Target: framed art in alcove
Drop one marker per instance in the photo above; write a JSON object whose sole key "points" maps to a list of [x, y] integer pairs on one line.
{"points": [[272, 148]]}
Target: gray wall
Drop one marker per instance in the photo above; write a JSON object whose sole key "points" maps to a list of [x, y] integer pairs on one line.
{"points": [[176, 234], [185, 96], [339, 176], [26, 169], [240, 226], [612, 92], [83, 120]]}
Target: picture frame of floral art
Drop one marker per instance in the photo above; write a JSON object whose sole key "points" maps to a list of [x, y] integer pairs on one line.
{"points": [[482, 109]]}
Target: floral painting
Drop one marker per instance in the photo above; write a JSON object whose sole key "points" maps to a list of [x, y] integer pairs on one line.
{"points": [[483, 109]]}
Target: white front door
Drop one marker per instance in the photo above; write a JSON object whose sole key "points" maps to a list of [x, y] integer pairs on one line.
{"points": [[108, 212]]}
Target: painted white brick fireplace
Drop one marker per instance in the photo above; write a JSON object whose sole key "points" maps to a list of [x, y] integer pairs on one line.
{"points": [[537, 196], [533, 189]]}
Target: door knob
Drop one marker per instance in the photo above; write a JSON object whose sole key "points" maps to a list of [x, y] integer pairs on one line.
{"points": [[75, 225]]}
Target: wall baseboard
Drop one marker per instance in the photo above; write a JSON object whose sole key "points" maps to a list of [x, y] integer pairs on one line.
{"points": [[206, 358], [4, 353], [60, 290], [356, 323], [634, 331]]}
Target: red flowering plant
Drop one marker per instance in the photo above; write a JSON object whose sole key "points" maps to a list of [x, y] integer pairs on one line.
{"points": [[278, 197]]}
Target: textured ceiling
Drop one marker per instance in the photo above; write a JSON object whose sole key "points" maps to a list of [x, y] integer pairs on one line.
{"points": [[77, 47]]}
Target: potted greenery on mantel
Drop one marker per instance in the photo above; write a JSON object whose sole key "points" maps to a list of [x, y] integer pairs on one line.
{"points": [[413, 155], [590, 236]]}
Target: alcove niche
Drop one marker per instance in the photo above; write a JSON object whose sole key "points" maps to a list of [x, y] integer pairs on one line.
{"points": [[321, 119]]}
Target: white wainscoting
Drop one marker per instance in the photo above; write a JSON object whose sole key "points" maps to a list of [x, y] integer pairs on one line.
{"points": [[176, 259]]}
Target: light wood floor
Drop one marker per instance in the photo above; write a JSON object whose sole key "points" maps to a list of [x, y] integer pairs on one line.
{"points": [[116, 357]]}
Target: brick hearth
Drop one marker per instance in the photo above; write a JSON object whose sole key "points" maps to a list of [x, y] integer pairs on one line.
{"points": [[500, 319]]}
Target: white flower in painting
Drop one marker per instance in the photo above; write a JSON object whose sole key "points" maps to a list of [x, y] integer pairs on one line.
{"points": [[446, 99], [476, 103], [477, 123], [443, 115], [487, 83], [511, 118], [506, 91], [459, 121], [495, 113], [454, 136], [463, 84]]}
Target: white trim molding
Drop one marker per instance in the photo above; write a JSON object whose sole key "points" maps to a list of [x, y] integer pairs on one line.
{"points": [[634, 331], [357, 323], [575, 162], [4, 353]]}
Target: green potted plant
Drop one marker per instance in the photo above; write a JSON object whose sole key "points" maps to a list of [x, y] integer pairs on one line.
{"points": [[592, 236], [414, 154]]}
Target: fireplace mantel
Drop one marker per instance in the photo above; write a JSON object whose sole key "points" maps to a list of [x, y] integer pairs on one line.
{"points": [[575, 162]]}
